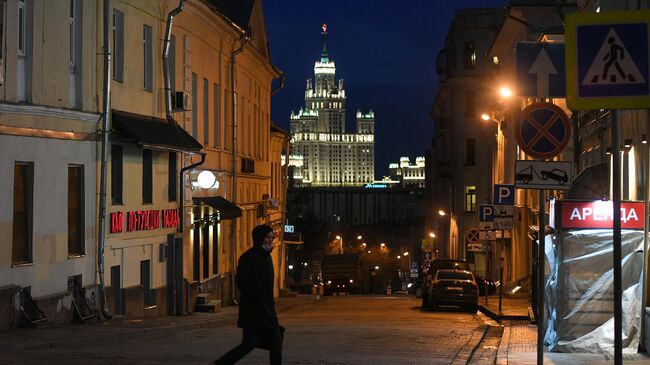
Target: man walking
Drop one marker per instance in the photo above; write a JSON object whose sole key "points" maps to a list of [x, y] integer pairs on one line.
{"points": [[257, 316]]}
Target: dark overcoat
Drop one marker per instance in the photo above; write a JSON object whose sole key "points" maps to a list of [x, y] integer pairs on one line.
{"points": [[255, 283]]}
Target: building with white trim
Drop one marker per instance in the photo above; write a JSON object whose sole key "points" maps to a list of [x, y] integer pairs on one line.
{"points": [[329, 156]]}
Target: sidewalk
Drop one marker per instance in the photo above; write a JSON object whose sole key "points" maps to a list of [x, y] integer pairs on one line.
{"points": [[123, 330], [519, 341]]}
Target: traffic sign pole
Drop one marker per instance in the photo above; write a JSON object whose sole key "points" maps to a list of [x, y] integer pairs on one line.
{"points": [[541, 248], [616, 195]]}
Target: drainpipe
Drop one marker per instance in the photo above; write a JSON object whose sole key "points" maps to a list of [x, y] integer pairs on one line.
{"points": [[233, 226], [165, 60], [182, 188], [104, 156]]}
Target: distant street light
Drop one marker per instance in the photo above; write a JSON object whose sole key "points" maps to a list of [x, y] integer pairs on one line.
{"points": [[432, 235], [383, 244], [376, 267], [363, 244], [442, 212], [359, 237], [338, 237], [369, 251], [505, 91], [405, 253], [290, 267], [399, 257]]}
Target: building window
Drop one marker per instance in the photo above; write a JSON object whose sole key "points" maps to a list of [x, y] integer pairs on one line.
{"points": [[21, 247], [470, 199], [206, 113], [470, 55], [148, 64], [195, 110], [21, 28], [71, 32], [147, 177], [215, 248], [216, 95], [171, 177], [470, 152], [116, 174], [75, 37], [76, 242], [145, 281], [118, 45], [470, 104]]}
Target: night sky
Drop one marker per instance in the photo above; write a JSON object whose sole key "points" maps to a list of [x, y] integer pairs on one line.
{"points": [[384, 50]]}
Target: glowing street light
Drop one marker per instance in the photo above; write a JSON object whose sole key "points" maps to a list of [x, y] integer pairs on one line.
{"points": [[485, 117], [338, 237], [399, 257], [290, 267], [432, 235], [505, 91], [376, 267], [442, 213], [383, 244], [363, 244], [359, 237], [405, 254]]}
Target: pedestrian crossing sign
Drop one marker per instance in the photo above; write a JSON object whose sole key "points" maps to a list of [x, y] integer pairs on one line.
{"points": [[607, 60]]}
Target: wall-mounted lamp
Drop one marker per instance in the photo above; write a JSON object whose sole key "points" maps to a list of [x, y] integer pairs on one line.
{"points": [[206, 179], [644, 140], [628, 143]]}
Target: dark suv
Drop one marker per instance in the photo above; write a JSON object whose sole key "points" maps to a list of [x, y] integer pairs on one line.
{"points": [[441, 264]]}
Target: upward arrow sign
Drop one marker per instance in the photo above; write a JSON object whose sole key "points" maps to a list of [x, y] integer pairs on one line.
{"points": [[543, 67]]}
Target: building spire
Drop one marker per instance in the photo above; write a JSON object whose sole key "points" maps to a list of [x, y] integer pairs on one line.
{"points": [[323, 55]]}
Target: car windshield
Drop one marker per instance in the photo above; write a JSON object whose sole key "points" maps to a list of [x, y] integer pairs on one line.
{"points": [[454, 275]]}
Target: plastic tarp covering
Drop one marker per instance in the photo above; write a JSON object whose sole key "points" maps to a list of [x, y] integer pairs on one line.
{"points": [[579, 290]]}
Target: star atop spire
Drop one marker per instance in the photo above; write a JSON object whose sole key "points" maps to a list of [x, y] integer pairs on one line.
{"points": [[323, 56]]}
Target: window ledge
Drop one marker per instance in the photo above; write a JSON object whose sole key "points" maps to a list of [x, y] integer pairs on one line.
{"points": [[22, 264]]}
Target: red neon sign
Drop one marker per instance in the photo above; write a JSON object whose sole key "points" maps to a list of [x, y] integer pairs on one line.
{"points": [[600, 214], [145, 220], [171, 218], [117, 222]]}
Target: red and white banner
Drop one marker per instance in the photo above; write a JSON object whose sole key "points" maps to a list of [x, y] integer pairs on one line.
{"points": [[600, 214]]}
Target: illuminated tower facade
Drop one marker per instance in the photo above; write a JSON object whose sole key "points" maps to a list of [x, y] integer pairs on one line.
{"points": [[329, 156]]}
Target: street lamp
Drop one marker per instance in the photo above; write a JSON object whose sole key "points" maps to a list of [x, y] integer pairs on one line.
{"points": [[505, 91], [359, 237], [406, 253], [442, 213], [432, 235]]}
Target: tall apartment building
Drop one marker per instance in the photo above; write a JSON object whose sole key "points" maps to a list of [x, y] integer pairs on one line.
{"points": [[327, 155]]}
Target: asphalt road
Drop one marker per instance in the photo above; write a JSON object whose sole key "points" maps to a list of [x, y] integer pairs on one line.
{"points": [[346, 330]]}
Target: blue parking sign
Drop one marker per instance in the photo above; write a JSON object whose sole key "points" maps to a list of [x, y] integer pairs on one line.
{"points": [[504, 194], [485, 213]]}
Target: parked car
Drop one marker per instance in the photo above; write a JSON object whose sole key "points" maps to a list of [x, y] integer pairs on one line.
{"points": [[415, 287], [451, 288], [485, 284], [438, 264]]}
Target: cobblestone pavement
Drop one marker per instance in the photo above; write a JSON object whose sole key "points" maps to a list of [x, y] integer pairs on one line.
{"points": [[359, 330]]}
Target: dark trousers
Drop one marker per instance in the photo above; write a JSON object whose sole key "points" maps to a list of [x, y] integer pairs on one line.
{"points": [[251, 338]]}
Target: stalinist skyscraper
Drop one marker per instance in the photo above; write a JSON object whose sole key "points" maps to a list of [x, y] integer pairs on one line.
{"points": [[322, 153]]}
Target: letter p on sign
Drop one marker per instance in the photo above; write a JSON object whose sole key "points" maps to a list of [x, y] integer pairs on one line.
{"points": [[504, 194]]}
